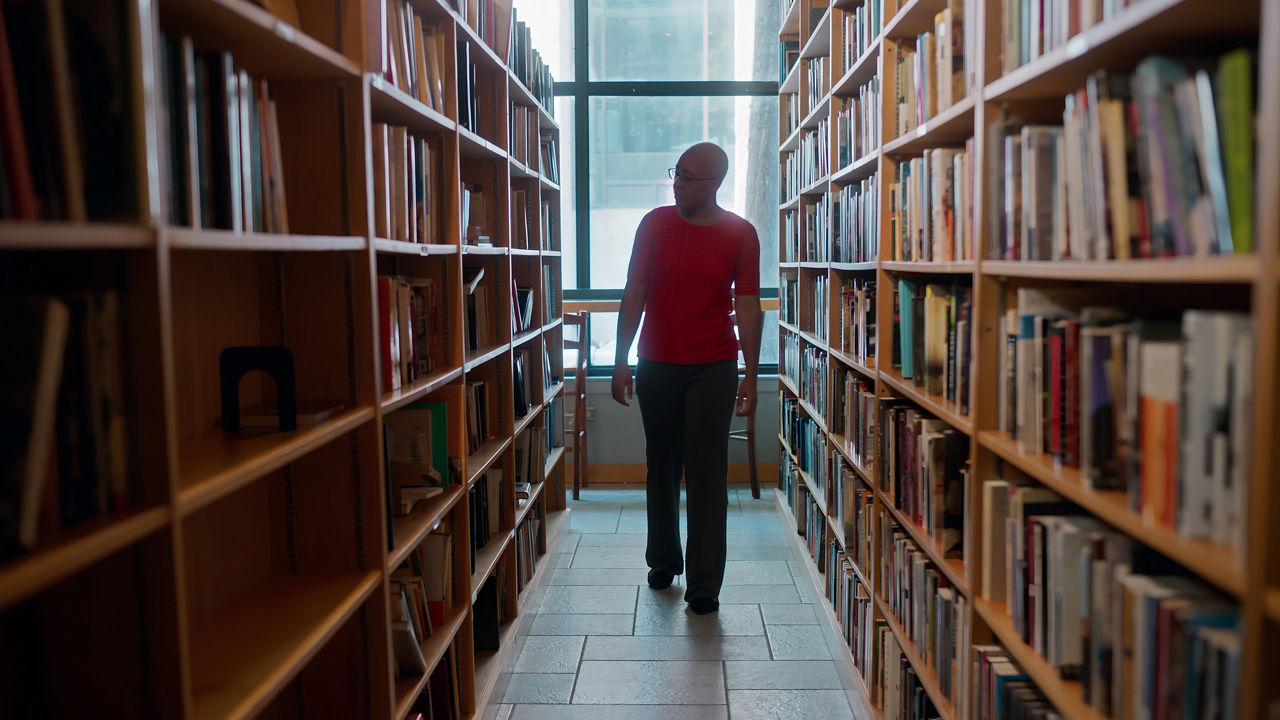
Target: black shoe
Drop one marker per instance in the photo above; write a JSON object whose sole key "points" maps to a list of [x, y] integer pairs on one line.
{"points": [[660, 579], [703, 606]]}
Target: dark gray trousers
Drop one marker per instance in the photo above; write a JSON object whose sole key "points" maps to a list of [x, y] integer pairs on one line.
{"points": [[686, 410]]}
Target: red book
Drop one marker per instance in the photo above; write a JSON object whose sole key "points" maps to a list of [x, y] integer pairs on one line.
{"points": [[1071, 393], [17, 165], [389, 331]]}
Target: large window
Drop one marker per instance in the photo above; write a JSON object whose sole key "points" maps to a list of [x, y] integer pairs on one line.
{"points": [[639, 81]]}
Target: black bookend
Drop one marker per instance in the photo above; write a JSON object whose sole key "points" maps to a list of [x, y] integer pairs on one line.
{"points": [[274, 360]]}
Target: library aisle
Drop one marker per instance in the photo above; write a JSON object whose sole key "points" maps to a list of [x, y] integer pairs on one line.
{"points": [[600, 644]]}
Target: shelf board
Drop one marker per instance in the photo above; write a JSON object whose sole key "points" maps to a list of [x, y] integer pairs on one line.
{"points": [[551, 392], [410, 530], [792, 204], [820, 112], [214, 464], [817, 187], [552, 325], [792, 142], [788, 265], [389, 104], [483, 457], [260, 42], [535, 493], [1066, 695], [491, 250], [521, 94], [923, 672], [860, 169], [952, 126], [549, 253], [862, 70], [475, 359], [868, 370], [552, 460], [1214, 562], [953, 568], [524, 421], [418, 389], [251, 650], [812, 339], [471, 145], [818, 43], [525, 337], [401, 247], [487, 559], [183, 238], [548, 184], [1212, 269], [939, 406], [913, 18], [867, 266], [929, 267], [433, 649], [1142, 29], [814, 413], [25, 576], [40, 235], [811, 265], [520, 170]]}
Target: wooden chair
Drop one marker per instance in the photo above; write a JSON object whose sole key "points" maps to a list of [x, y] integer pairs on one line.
{"points": [[577, 434]]}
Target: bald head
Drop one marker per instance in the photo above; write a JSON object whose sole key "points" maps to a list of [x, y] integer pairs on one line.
{"points": [[706, 159]]}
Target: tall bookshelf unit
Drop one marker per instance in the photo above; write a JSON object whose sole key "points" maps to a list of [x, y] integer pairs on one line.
{"points": [[216, 574], [843, 147]]}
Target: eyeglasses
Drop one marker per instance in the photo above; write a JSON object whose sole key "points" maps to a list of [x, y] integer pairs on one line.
{"points": [[678, 174]]}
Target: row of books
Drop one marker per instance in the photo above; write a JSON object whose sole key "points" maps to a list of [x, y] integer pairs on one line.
{"points": [[855, 222], [477, 226], [71, 154], [816, 228], [813, 526], [931, 206], [861, 28], [932, 326], [858, 123], [527, 65], [1030, 29], [490, 19], [815, 153], [549, 150], [224, 163], [789, 187], [481, 427], [486, 502], [790, 237], [932, 73], [468, 97], [529, 546], [896, 683], [853, 414], [788, 298], [807, 368], [441, 698], [802, 434], [1153, 163], [1157, 407], [415, 59], [931, 613], [857, 338], [408, 201], [923, 470], [788, 56], [1143, 639], [66, 453], [852, 603], [553, 425], [852, 503], [422, 591], [789, 106], [818, 296], [818, 75], [522, 137], [1003, 691], [479, 292], [410, 322], [416, 457]]}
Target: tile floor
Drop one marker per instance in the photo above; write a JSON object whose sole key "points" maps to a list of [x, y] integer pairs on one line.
{"points": [[599, 644]]}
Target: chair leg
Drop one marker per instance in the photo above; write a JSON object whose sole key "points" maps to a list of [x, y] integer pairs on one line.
{"points": [[751, 456]]}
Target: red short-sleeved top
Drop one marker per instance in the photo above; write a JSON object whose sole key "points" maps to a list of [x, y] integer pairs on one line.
{"points": [[692, 272]]}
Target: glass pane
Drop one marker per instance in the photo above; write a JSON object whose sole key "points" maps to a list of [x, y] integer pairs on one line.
{"points": [[604, 328], [551, 26], [635, 139], [568, 196], [683, 39]]}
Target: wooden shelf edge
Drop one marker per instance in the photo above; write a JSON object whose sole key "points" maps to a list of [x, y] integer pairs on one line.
{"points": [[552, 460], [418, 390], [30, 574], [403, 247], [953, 568], [483, 356], [923, 672], [484, 456], [487, 558], [1242, 268], [1204, 558], [339, 597], [1065, 695], [867, 370], [930, 267], [938, 406], [421, 522], [60, 235], [208, 487], [390, 93], [183, 238], [433, 649]]}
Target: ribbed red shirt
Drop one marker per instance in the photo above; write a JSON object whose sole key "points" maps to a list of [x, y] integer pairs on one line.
{"points": [[692, 272]]}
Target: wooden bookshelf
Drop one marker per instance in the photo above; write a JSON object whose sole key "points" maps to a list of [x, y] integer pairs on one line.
{"points": [[249, 574], [1033, 92]]}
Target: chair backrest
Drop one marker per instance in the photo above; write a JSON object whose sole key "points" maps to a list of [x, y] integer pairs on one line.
{"points": [[580, 342]]}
